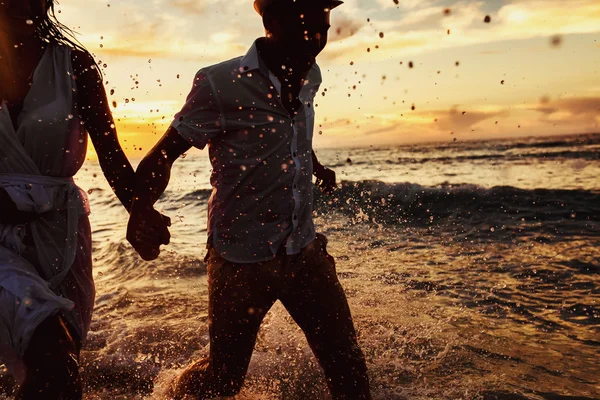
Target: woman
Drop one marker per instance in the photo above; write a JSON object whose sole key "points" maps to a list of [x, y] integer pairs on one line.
{"points": [[52, 94]]}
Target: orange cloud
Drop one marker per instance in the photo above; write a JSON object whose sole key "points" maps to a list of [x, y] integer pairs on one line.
{"points": [[371, 49], [580, 111], [344, 27], [574, 106], [425, 29], [190, 6], [151, 40]]}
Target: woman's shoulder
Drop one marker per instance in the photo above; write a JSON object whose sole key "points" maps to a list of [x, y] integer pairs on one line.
{"points": [[82, 61]]}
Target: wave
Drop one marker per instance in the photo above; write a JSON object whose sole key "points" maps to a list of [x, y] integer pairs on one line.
{"points": [[504, 145], [587, 155], [465, 206], [123, 262]]}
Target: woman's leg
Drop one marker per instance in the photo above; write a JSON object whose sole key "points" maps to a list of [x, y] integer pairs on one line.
{"points": [[52, 357], [52, 364]]}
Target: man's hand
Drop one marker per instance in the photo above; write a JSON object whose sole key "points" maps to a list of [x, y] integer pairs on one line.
{"points": [[147, 230], [325, 179]]}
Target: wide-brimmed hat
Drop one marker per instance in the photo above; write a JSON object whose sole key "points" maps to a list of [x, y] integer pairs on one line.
{"points": [[261, 5]]}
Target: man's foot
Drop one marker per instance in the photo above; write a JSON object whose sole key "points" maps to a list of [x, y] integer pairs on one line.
{"points": [[193, 382]]}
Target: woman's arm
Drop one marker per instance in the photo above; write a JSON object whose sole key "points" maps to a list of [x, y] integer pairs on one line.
{"points": [[97, 118]]}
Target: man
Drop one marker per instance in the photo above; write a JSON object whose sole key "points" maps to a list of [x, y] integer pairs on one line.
{"points": [[256, 114]]}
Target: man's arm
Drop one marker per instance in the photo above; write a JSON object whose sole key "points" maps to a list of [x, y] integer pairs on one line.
{"points": [[326, 180], [154, 171], [147, 228]]}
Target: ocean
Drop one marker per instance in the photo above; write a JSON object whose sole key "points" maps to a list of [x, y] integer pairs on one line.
{"points": [[472, 270]]}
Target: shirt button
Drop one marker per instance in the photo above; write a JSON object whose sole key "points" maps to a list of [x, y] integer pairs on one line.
{"points": [[295, 217], [295, 186], [295, 154]]}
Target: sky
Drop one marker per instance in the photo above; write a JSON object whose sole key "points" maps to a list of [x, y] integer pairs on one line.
{"points": [[411, 72]]}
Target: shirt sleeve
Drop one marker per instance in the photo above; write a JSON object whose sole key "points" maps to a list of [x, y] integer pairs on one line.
{"points": [[200, 119]]}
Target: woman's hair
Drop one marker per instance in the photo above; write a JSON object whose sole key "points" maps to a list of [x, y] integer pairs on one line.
{"points": [[52, 30]]}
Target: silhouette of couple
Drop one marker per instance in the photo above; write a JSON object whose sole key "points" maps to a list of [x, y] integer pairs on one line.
{"points": [[256, 115]]}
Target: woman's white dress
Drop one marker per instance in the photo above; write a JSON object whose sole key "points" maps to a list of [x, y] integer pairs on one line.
{"points": [[46, 264]]}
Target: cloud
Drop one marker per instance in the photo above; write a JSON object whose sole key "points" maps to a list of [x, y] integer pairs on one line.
{"points": [[457, 121], [414, 126], [582, 112], [191, 6], [386, 129], [425, 28], [182, 28], [407, 5], [154, 40], [574, 106], [344, 27], [169, 29], [360, 47]]}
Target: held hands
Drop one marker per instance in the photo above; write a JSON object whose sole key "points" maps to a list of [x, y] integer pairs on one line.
{"points": [[147, 230], [325, 179]]}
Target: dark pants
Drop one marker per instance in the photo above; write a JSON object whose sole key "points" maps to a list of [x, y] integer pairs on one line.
{"points": [[240, 295]]}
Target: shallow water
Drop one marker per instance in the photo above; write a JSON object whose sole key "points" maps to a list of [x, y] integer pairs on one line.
{"points": [[480, 278]]}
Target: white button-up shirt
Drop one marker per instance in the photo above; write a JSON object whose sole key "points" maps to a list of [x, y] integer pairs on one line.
{"points": [[261, 157]]}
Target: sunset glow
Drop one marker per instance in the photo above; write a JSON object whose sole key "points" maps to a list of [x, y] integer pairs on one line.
{"points": [[531, 70]]}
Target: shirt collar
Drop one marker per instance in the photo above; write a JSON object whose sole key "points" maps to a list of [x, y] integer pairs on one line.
{"points": [[252, 61]]}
